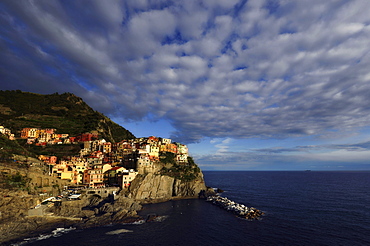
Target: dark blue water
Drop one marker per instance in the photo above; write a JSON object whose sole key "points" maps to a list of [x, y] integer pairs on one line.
{"points": [[302, 208]]}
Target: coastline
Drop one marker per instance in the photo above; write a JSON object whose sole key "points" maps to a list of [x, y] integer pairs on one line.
{"points": [[20, 220], [34, 226], [16, 231]]}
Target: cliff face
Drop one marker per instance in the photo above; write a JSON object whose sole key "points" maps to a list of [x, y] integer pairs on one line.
{"points": [[154, 187]]}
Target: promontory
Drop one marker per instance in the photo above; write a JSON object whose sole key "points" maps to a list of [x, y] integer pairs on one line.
{"points": [[64, 164]]}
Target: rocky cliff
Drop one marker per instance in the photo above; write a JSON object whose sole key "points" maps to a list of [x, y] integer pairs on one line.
{"points": [[154, 187]]}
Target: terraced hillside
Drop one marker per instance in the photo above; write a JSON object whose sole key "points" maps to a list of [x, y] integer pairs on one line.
{"points": [[65, 112]]}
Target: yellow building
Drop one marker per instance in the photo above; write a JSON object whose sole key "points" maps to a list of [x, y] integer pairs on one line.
{"points": [[30, 133], [154, 150]]}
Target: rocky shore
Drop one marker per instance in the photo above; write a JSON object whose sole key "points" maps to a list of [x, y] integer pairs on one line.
{"points": [[94, 211], [17, 223], [20, 219], [90, 210]]}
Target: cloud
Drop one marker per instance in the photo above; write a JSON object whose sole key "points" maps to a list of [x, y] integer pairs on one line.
{"points": [[364, 146], [317, 157], [218, 69], [223, 146], [355, 147]]}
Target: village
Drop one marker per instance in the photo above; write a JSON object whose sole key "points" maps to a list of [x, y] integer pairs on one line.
{"points": [[100, 163]]}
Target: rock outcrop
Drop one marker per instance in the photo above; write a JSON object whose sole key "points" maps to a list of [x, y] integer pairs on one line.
{"points": [[95, 211], [154, 187], [151, 187]]}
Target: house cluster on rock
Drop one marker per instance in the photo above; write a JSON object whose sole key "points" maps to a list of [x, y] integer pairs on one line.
{"points": [[101, 163]]}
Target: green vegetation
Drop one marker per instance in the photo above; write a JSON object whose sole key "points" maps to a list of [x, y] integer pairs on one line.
{"points": [[58, 150], [167, 157], [9, 147], [14, 181], [186, 172], [65, 112]]}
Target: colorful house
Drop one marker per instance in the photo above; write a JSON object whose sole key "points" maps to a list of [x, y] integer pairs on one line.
{"points": [[113, 175], [127, 177]]}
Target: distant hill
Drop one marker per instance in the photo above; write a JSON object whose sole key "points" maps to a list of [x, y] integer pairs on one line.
{"points": [[65, 112]]}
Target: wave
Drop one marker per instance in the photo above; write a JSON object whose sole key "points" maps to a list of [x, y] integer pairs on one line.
{"points": [[119, 231], [55, 233]]}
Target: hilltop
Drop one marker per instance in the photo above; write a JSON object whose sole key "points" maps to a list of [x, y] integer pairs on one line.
{"points": [[65, 112]]}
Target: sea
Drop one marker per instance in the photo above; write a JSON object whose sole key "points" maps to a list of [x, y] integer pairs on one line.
{"points": [[301, 208]]}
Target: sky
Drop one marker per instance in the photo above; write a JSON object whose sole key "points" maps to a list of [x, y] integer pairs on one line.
{"points": [[247, 85]]}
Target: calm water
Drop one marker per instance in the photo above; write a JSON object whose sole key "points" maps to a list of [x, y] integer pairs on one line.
{"points": [[302, 208]]}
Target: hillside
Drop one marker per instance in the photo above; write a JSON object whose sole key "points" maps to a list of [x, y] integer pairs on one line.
{"points": [[9, 148], [65, 112]]}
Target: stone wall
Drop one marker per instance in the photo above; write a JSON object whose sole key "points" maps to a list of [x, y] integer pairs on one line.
{"points": [[145, 166], [39, 181], [102, 192]]}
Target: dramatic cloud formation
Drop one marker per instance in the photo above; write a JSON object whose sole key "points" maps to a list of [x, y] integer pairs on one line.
{"points": [[212, 68]]}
